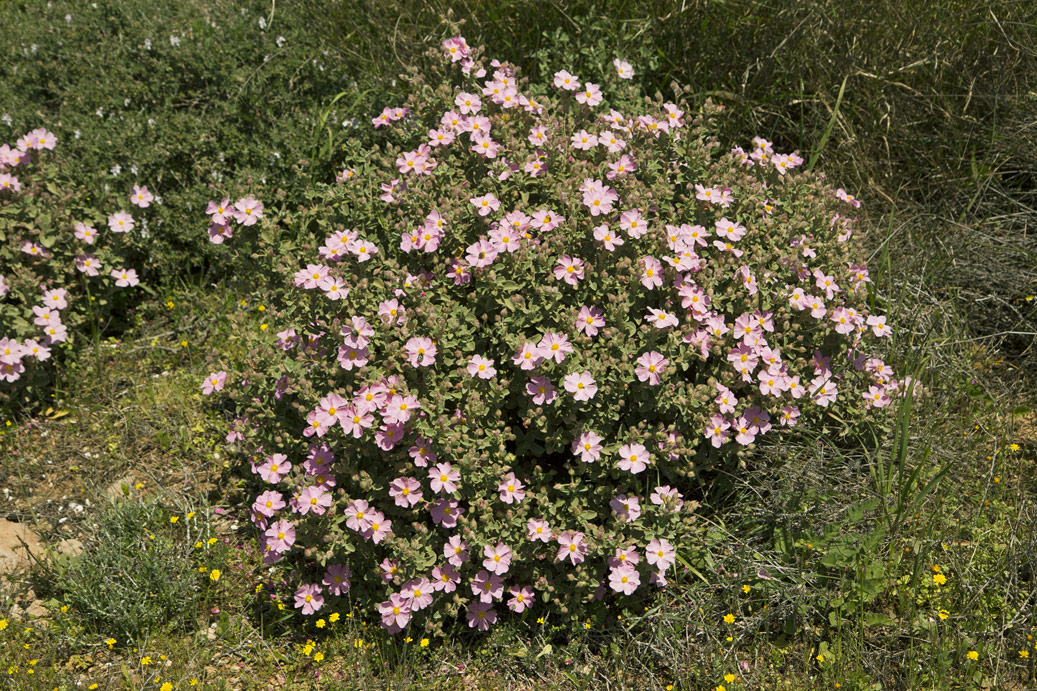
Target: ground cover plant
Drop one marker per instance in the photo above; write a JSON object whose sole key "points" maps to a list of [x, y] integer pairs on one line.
{"points": [[64, 275], [893, 551], [549, 317]]}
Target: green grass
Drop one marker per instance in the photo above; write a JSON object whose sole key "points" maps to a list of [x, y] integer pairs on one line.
{"points": [[925, 108]]}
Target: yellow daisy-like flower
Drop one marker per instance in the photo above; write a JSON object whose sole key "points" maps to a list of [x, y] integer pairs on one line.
{"points": [[334, 617], [943, 614], [729, 618], [423, 643], [174, 519], [729, 678], [318, 657], [214, 575], [1024, 654], [321, 623], [166, 687], [746, 589], [939, 579], [973, 655], [3, 624]]}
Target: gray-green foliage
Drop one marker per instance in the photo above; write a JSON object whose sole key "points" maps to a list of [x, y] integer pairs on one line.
{"points": [[133, 575]]}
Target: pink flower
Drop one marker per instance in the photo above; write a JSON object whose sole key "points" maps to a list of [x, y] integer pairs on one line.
{"points": [[652, 273], [660, 318], [220, 212], [481, 615], [140, 196], [564, 80], [569, 269], [497, 559], [309, 598], [584, 140], [268, 503], [580, 385], [632, 222], [650, 366], [626, 509], [421, 352], [716, 431], [467, 103], [395, 612], [362, 249], [280, 536], [528, 357], [125, 278], [538, 529], [624, 580], [488, 586], [248, 210], [419, 592], [214, 382], [848, 198], [40, 139], [589, 320], [555, 346], [55, 298], [571, 545], [486, 204], [406, 491], [605, 236], [336, 579], [510, 489], [379, 529], [590, 95], [542, 391], [481, 367], [400, 408], [634, 457], [444, 478], [623, 69], [120, 222], [587, 447], [85, 233], [445, 578], [521, 599], [358, 515], [660, 554], [390, 312], [275, 467], [314, 499], [456, 551], [9, 183]]}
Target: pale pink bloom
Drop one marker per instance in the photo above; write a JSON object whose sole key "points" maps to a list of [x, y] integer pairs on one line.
{"points": [[521, 599], [580, 385], [362, 249], [85, 233], [538, 529], [34, 349], [395, 613], [660, 318], [274, 468], [573, 546], [497, 559], [651, 273], [214, 382], [877, 397], [590, 320], [878, 326], [605, 236], [268, 503], [11, 351], [627, 509], [587, 447], [823, 390], [481, 254], [511, 489], [40, 139], [444, 478], [554, 346], [9, 183], [488, 586], [55, 333], [545, 220], [564, 80], [729, 230], [455, 48], [421, 352], [336, 579], [125, 278], [354, 421], [45, 316], [481, 367], [467, 103], [280, 536], [485, 204], [333, 287], [400, 408], [484, 145], [248, 210], [419, 592], [55, 298], [667, 496], [528, 357], [650, 367], [34, 249], [445, 578], [624, 580], [660, 554], [140, 196], [221, 212], [848, 198], [405, 491], [480, 616], [456, 551], [446, 512], [120, 222], [358, 515], [542, 391], [633, 223], [569, 269], [590, 95], [309, 598], [379, 529], [634, 457], [584, 140], [315, 499], [623, 69], [624, 165]]}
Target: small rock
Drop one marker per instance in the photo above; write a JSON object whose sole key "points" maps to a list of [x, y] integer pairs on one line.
{"points": [[14, 538], [115, 491], [70, 548]]}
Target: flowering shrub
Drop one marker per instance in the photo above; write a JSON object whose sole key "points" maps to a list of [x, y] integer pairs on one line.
{"points": [[518, 335], [60, 265]]}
